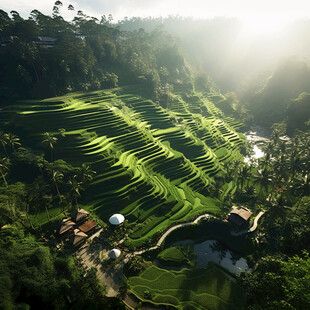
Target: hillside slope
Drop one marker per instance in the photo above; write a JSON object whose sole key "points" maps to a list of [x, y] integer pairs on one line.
{"points": [[153, 165], [270, 103]]}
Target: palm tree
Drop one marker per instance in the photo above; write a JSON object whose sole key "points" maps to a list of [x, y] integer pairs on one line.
{"points": [[243, 175], [264, 161], [249, 192], [50, 140], [263, 178], [27, 215], [62, 132], [47, 200], [39, 194], [295, 163], [302, 187], [268, 150], [57, 178], [86, 173], [229, 169], [75, 188], [4, 141], [4, 167], [13, 140]]}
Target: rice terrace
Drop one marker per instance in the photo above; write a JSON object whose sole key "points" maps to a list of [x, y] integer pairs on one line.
{"points": [[136, 150], [153, 165], [153, 162]]}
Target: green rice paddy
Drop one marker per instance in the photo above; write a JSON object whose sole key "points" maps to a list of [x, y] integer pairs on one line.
{"points": [[208, 288], [153, 165]]}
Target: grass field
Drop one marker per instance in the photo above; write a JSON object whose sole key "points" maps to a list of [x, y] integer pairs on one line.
{"points": [[153, 165], [207, 288]]}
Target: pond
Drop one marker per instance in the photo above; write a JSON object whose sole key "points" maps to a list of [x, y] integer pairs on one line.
{"points": [[212, 251]]}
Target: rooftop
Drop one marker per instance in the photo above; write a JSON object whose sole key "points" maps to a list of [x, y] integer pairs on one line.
{"points": [[81, 214], [78, 236], [239, 215], [66, 224], [87, 226], [115, 253], [116, 219]]}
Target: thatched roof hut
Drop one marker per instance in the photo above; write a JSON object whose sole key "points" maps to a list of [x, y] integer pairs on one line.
{"points": [[239, 215], [81, 214], [79, 236], [65, 225]]}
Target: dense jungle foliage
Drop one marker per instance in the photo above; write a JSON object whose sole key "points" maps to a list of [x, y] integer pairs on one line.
{"points": [[48, 56]]}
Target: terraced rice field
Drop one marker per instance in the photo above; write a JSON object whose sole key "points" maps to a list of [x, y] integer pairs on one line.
{"points": [[153, 165], [207, 288]]}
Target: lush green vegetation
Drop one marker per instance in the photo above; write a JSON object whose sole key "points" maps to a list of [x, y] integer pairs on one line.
{"points": [[279, 283], [34, 276], [144, 135], [280, 250], [283, 234], [150, 150], [177, 256], [206, 288], [280, 95], [84, 54]]}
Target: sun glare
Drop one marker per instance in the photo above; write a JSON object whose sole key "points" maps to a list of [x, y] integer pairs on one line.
{"points": [[263, 25]]}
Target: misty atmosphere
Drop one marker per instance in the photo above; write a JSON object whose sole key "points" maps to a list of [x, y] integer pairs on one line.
{"points": [[154, 155]]}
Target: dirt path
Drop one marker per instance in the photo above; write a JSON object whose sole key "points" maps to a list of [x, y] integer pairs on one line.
{"points": [[254, 226]]}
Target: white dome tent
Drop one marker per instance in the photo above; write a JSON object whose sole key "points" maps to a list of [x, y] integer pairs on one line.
{"points": [[116, 219], [115, 253]]}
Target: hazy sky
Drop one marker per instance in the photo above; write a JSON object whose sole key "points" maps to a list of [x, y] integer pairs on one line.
{"points": [[266, 10]]}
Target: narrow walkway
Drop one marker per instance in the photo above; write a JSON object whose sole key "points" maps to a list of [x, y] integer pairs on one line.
{"points": [[164, 236], [240, 233]]}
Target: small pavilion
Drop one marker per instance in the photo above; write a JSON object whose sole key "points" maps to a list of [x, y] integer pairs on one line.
{"points": [[116, 219], [114, 254]]}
